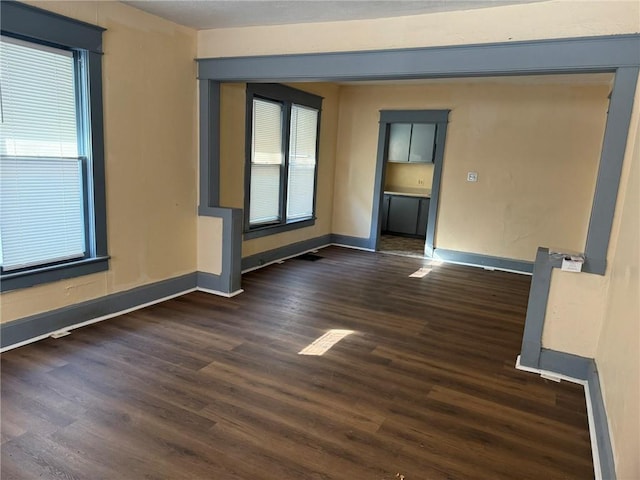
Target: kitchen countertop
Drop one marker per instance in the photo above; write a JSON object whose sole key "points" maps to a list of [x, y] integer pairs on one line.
{"points": [[408, 192]]}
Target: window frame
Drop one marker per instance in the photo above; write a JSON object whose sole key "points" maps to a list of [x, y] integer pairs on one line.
{"points": [[38, 26], [286, 96]]}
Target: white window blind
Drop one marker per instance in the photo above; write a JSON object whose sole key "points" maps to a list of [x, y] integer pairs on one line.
{"points": [[302, 162], [41, 186], [38, 101], [42, 219], [266, 161]]}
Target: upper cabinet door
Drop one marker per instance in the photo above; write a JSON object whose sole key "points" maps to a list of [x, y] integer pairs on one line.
{"points": [[422, 143], [411, 142], [399, 141]]}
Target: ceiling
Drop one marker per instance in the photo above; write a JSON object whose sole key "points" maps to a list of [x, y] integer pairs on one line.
{"points": [[205, 14]]}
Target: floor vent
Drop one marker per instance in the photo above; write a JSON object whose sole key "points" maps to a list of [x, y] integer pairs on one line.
{"points": [[310, 257]]}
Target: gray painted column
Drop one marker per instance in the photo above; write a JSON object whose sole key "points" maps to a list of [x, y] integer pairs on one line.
{"points": [[209, 143], [229, 280], [537, 307], [611, 159]]}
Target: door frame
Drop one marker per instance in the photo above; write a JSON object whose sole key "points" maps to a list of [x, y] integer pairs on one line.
{"points": [[441, 119]]}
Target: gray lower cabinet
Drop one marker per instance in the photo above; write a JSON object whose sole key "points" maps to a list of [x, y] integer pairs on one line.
{"points": [[405, 215], [423, 217], [385, 212]]}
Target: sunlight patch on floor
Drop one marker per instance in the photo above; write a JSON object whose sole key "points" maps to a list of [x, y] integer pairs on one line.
{"points": [[324, 343], [422, 272]]}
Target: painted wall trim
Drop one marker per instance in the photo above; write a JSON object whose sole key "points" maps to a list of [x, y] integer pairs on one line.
{"points": [[610, 168], [209, 281], [30, 329], [584, 371], [214, 284], [487, 261], [353, 242], [586, 54], [209, 98], [567, 364], [613, 53], [268, 257], [438, 161], [414, 116], [52, 273], [43, 324], [41, 26], [537, 306], [387, 117], [601, 423], [35, 23], [231, 275], [285, 252]]}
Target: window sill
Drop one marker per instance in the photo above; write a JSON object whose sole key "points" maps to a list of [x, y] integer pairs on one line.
{"points": [[36, 276], [274, 229]]}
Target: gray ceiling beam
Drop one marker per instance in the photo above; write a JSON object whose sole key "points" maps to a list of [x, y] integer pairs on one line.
{"points": [[571, 55]]}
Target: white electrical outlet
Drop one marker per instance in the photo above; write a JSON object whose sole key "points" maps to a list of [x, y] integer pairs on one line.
{"points": [[421, 181], [472, 176]]}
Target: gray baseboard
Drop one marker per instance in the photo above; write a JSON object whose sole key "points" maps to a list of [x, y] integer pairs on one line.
{"points": [[601, 424], [565, 364], [483, 260], [263, 258], [357, 242], [585, 370], [216, 284], [211, 281], [34, 326]]}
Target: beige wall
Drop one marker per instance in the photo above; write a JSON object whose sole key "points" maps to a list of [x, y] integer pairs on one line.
{"points": [[402, 175], [232, 160], [577, 302], [535, 147], [617, 355], [547, 19], [599, 316], [574, 312], [150, 157], [210, 245]]}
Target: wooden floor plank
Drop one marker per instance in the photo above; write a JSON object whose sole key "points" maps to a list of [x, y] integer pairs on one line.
{"points": [[204, 387]]}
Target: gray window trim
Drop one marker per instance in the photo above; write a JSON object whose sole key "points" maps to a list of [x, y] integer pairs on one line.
{"points": [[41, 26], [34, 24], [264, 231], [414, 116], [287, 96]]}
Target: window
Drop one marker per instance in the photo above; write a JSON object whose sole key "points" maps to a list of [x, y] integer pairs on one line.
{"points": [[282, 151], [52, 222]]}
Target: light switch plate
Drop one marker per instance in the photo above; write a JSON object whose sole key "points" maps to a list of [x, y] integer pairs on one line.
{"points": [[472, 176]]}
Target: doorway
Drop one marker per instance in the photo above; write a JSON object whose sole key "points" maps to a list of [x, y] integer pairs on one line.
{"points": [[407, 180]]}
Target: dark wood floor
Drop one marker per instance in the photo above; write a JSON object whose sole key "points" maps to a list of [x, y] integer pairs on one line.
{"points": [[213, 388]]}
